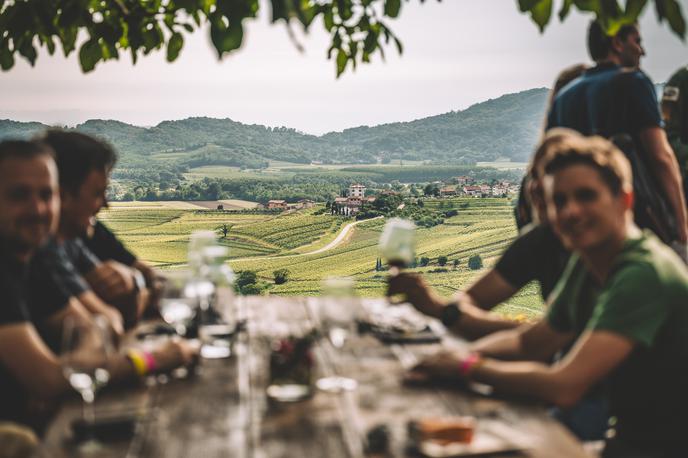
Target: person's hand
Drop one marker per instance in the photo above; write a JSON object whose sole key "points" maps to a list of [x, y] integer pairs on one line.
{"points": [[441, 367], [416, 291], [175, 353], [111, 280], [114, 321]]}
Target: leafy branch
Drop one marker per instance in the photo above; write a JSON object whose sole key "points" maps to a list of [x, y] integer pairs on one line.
{"points": [[358, 29]]}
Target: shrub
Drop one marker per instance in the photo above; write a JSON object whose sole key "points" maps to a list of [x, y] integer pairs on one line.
{"points": [[475, 262], [424, 261], [442, 260], [281, 276]]}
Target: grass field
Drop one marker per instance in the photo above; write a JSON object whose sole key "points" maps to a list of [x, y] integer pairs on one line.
{"points": [[159, 235]]}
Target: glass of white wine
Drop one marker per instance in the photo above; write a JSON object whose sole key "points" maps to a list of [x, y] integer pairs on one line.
{"points": [[398, 242], [86, 352]]}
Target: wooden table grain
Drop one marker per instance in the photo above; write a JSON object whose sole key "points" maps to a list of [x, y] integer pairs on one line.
{"points": [[222, 411]]}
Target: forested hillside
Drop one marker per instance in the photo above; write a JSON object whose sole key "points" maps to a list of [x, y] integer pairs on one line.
{"points": [[506, 127]]}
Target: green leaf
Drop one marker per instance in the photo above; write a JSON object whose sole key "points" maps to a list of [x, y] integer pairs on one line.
{"points": [[633, 9], [279, 10], [6, 57], [89, 55], [226, 39], [342, 59], [673, 15], [565, 8], [392, 8], [174, 45], [541, 13], [527, 5]]}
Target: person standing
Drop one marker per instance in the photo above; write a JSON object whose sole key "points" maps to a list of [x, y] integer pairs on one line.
{"points": [[615, 97], [675, 114]]}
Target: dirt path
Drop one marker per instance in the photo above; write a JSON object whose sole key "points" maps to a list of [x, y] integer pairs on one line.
{"points": [[341, 237]]}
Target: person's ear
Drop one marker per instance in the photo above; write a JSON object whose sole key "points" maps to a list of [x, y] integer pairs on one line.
{"points": [[628, 199]]}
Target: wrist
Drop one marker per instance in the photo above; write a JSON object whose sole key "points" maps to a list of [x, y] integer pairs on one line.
{"points": [[144, 363], [468, 365], [450, 314]]}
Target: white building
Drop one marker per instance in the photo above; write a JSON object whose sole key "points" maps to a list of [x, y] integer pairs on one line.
{"points": [[357, 190]]}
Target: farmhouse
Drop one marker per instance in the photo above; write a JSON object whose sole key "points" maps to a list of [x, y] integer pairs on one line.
{"points": [[357, 190], [277, 205], [447, 191]]}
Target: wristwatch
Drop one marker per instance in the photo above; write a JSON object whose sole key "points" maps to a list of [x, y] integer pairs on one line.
{"points": [[451, 314]]}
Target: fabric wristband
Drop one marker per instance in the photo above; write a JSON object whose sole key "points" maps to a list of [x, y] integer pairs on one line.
{"points": [[468, 364], [137, 359], [151, 363]]}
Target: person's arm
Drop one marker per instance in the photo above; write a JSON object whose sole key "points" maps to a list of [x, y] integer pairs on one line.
{"points": [[30, 361], [38, 369], [593, 357], [665, 168], [531, 342], [117, 284], [95, 305], [474, 321]]}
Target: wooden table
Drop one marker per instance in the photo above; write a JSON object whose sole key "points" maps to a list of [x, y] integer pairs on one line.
{"points": [[222, 410]]}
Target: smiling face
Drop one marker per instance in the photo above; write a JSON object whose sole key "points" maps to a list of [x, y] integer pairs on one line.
{"points": [[29, 201], [584, 211], [79, 208]]}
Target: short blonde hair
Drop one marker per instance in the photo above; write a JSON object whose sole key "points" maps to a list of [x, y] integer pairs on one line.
{"points": [[562, 148]]}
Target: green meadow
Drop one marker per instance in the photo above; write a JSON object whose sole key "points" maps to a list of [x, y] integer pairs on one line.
{"points": [[266, 242]]}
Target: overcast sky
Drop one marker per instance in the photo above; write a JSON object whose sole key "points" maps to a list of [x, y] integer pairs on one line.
{"points": [[457, 53]]}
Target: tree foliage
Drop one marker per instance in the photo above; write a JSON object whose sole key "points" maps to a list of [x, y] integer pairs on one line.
{"points": [[475, 262], [358, 28]]}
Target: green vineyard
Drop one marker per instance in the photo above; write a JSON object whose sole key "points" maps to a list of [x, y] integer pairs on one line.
{"points": [[265, 242]]}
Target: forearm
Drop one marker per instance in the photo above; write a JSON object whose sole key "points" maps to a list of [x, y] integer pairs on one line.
{"points": [[505, 345], [476, 323], [531, 379], [670, 178]]}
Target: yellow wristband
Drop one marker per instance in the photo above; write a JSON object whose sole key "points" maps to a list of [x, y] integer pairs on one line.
{"points": [[137, 360]]}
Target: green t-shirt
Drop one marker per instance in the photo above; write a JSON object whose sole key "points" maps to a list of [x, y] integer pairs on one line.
{"points": [[644, 299]]}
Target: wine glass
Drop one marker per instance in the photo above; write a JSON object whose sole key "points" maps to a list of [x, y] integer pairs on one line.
{"points": [[178, 301], [86, 352], [338, 310], [397, 242]]}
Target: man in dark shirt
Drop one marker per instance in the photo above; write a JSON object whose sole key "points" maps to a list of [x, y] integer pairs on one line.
{"points": [[84, 164], [614, 97], [29, 208]]}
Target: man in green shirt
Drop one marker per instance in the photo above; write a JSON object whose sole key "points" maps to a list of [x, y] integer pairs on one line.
{"points": [[621, 307]]}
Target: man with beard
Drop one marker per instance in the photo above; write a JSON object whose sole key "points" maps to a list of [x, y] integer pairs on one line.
{"points": [[29, 370]]}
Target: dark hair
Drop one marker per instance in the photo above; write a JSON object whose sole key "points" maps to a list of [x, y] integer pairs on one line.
{"points": [[600, 43], [23, 149], [77, 155]]}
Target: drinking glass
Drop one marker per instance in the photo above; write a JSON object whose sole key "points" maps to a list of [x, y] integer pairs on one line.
{"points": [[86, 352], [397, 242], [178, 300], [338, 310]]}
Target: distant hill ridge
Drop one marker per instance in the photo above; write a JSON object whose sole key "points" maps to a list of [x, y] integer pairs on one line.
{"points": [[504, 127]]}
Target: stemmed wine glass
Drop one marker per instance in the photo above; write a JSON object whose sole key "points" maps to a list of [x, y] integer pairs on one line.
{"points": [[86, 353], [337, 312]]}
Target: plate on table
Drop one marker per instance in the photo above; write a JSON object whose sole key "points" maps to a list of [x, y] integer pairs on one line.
{"points": [[399, 325], [489, 438]]}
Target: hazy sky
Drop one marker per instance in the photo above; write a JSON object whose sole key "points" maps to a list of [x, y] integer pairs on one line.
{"points": [[457, 53]]}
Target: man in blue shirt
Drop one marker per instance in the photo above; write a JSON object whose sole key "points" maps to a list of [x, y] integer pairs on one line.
{"points": [[614, 97]]}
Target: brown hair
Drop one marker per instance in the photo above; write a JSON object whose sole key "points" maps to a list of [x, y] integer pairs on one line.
{"points": [[562, 148]]}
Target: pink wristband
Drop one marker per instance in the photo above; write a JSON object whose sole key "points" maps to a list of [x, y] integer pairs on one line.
{"points": [[468, 364], [151, 364]]}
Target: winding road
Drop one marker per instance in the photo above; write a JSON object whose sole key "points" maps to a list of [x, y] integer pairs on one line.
{"points": [[330, 246]]}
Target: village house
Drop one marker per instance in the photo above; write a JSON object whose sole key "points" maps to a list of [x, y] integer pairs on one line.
{"points": [[277, 205], [447, 191], [357, 190], [463, 180], [305, 203]]}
